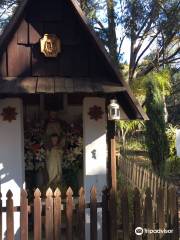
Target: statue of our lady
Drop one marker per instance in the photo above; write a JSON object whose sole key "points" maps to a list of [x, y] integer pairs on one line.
{"points": [[54, 160], [53, 125]]}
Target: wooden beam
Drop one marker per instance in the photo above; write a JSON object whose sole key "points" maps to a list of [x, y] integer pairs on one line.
{"points": [[113, 181], [112, 155], [113, 164], [56, 84]]}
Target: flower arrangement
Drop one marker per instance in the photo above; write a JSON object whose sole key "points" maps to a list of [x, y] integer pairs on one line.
{"points": [[36, 145], [35, 151], [73, 152]]}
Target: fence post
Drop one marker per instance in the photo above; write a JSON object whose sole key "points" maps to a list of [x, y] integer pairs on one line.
{"points": [[160, 210], [57, 214], [10, 216], [137, 176], [159, 183], [49, 215], [128, 164], [155, 187], [0, 216], [149, 173], [173, 213], [165, 195], [137, 212], [93, 214], [24, 216], [143, 179], [125, 214], [130, 170], [140, 179], [81, 215], [113, 215], [37, 215], [105, 225], [134, 175], [148, 216], [69, 214]]}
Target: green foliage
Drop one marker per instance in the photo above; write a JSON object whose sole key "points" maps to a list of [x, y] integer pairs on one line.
{"points": [[171, 135], [172, 167], [134, 144], [173, 162], [156, 138], [130, 126], [161, 79], [173, 100]]}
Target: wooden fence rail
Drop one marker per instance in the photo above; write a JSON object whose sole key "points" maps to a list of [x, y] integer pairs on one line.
{"points": [[142, 178], [65, 218]]}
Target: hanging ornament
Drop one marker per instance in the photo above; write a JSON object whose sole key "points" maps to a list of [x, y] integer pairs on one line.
{"points": [[95, 112], [113, 110], [9, 114]]}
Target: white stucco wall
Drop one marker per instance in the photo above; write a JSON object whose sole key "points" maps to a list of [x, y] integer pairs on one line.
{"points": [[95, 168], [178, 142], [11, 157]]}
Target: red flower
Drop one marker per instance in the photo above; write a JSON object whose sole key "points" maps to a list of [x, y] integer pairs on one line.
{"points": [[36, 147]]}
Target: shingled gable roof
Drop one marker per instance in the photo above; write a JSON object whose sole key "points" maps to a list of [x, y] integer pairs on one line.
{"points": [[10, 28]]}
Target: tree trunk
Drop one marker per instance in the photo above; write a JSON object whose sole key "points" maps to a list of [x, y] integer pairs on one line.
{"points": [[132, 59], [133, 39], [112, 39]]}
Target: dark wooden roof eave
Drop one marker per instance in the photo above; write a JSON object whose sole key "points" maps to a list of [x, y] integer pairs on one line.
{"points": [[10, 28], [57, 85]]}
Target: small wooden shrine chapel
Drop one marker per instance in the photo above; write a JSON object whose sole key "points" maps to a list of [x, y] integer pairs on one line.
{"points": [[57, 87]]}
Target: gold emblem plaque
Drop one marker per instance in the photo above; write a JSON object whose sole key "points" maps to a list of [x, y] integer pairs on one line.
{"points": [[50, 45]]}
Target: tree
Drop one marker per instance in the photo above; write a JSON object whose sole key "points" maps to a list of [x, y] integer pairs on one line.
{"points": [[127, 127], [151, 23], [147, 24], [106, 28], [112, 39], [173, 100], [156, 138], [162, 81], [7, 8]]}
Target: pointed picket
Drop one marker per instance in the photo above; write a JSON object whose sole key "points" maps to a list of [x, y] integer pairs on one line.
{"points": [[93, 214], [69, 214], [81, 215], [49, 214], [37, 215], [10, 216], [57, 214], [24, 216]]}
